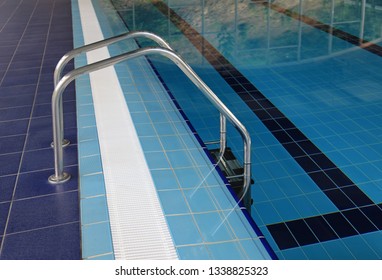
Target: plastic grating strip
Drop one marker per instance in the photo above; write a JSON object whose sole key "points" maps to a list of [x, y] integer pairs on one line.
{"points": [[138, 226]]}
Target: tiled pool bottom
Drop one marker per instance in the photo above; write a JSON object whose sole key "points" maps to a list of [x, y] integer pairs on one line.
{"points": [[199, 209]]}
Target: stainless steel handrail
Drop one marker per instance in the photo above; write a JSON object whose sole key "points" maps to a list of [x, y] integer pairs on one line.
{"points": [[225, 113], [90, 47]]}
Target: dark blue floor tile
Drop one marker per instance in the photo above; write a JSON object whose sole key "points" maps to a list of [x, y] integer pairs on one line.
{"points": [[13, 127], [15, 113], [17, 90], [43, 110], [12, 144], [7, 184], [4, 208], [44, 159], [16, 100], [54, 243], [36, 183], [42, 139], [70, 121], [9, 164], [22, 76], [45, 211]]}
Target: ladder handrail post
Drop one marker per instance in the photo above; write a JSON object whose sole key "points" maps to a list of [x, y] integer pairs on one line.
{"points": [[225, 113], [90, 47]]}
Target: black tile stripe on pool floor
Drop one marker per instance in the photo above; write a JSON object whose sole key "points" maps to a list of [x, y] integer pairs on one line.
{"points": [[357, 212], [359, 42]]}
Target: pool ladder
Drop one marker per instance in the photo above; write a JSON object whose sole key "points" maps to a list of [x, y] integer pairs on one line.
{"points": [[165, 50]]}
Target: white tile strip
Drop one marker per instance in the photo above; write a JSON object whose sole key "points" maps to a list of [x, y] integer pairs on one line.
{"points": [[139, 229]]}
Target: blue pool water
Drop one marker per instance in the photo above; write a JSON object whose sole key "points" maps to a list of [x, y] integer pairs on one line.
{"points": [[309, 95]]}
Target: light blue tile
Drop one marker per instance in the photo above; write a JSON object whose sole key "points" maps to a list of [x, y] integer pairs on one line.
{"points": [[84, 100], [188, 177], [107, 257], [286, 209], [223, 198], [96, 240], [88, 148], [135, 107], [84, 110], [173, 202], [92, 185], [321, 202], [164, 179], [159, 117], [255, 249], [294, 254], [198, 252], [304, 206], [90, 165], [239, 224], [140, 117], [179, 159], [360, 248], [269, 215], [145, 130], [86, 121], [374, 240], [337, 250], [165, 129], [156, 160], [183, 230], [289, 187], [214, 227], [315, 252], [153, 106], [200, 200], [87, 133], [151, 144], [94, 210], [227, 251], [172, 142], [305, 183]]}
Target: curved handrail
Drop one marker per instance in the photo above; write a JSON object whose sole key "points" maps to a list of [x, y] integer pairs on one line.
{"points": [[93, 46], [61, 176]]}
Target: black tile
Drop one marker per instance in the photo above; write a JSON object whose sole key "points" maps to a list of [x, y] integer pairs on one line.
{"points": [[309, 147], [339, 199], [374, 213], [322, 181], [36, 183], [53, 243], [282, 137], [357, 196], [301, 232], [39, 212], [12, 144], [272, 125], [294, 149], [307, 164], [9, 164], [321, 228], [340, 225], [359, 221], [7, 185], [323, 161], [281, 234], [339, 178], [4, 209], [296, 134]]}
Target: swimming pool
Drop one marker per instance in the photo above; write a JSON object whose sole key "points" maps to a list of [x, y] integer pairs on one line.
{"points": [[308, 90]]}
